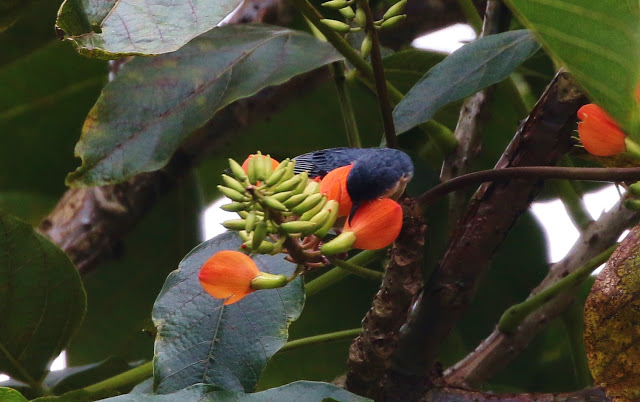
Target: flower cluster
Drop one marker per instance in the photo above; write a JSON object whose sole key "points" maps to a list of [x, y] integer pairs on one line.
{"points": [[281, 211]]}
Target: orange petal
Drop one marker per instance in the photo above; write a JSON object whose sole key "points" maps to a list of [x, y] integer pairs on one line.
{"points": [[334, 185], [245, 164], [598, 132], [228, 273], [376, 224]]}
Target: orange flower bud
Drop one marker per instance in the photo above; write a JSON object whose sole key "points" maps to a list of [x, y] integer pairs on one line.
{"points": [[228, 275], [599, 133], [334, 185], [376, 224], [245, 164]]}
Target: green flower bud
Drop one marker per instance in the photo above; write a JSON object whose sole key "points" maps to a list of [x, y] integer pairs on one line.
{"points": [[393, 21], [244, 235], [235, 224], [234, 207], [335, 4], [274, 204], [321, 217], [297, 226], [287, 185], [252, 172], [365, 48], [268, 167], [395, 10], [264, 248], [259, 234], [232, 194], [304, 180], [289, 173], [311, 188], [294, 200], [314, 211], [361, 17], [632, 204], [307, 204], [337, 26], [333, 208], [340, 244], [276, 175], [634, 189], [347, 12], [237, 170], [233, 183], [268, 281], [282, 197], [251, 221]]}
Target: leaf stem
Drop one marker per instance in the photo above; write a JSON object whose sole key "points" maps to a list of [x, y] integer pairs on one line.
{"points": [[337, 274], [379, 79], [129, 377], [350, 124], [322, 338], [471, 14], [514, 315], [528, 172], [357, 269]]}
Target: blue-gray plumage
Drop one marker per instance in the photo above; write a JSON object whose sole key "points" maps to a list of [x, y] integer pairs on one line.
{"points": [[376, 172]]}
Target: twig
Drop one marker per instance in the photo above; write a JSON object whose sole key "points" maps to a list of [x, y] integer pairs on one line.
{"points": [[514, 315], [357, 269], [378, 74], [528, 173], [350, 124], [498, 349], [347, 334]]}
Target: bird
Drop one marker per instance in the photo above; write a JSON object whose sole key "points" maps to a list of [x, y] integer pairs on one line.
{"points": [[376, 172]]}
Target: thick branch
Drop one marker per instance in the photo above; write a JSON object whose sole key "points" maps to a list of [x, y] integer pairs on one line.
{"points": [[499, 349], [369, 354], [541, 140], [458, 395]]}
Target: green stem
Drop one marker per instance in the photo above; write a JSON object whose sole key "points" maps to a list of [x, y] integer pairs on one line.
{"points": [[573, 321], [130, 377], [358, 270], [350, 124], [365, 70], [471, 13], [514, 315], [573, 204], [337, 274], [323, 338], [379, 78]]}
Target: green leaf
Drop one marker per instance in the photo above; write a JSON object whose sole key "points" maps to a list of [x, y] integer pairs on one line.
{"points": [[202, 341], [481, 63], [599, 42], [42, 301], [30, 207], [124, 289], [11, 395], [611, 316], [112, 29], [297, 391], [72, 378], [44, 99], [152, 105]]}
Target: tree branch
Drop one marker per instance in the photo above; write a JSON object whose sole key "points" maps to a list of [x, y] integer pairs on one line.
{"points": [[499, 348], [541, 140]]}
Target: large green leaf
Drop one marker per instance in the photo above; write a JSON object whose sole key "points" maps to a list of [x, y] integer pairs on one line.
{"points": [[481, 63], [152, 105], [124, 289], [200, 340], [42, 301], [30, 207], [112, 29], [297, 391], [44, 98], [599, 42], [11, 395]]}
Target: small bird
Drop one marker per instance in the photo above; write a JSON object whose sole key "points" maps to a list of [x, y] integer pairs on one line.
{"points": [[376, 172]]}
